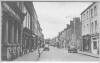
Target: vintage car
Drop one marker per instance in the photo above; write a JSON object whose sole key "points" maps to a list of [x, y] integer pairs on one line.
{"points": [[72, 49], [46, 48]]}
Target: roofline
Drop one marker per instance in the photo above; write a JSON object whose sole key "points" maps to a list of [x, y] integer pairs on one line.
{"points": [[88, 7]]}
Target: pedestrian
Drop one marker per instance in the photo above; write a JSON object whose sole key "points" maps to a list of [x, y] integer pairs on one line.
{"points": [[39, 52], [39, 49]]}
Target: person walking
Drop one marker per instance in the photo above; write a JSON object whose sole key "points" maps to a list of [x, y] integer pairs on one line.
{"points": [[39, 51]]}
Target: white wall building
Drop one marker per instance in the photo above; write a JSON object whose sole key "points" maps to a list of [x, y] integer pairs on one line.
{"points": [[90, 25]]}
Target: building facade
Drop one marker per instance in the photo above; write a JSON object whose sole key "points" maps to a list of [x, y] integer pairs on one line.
{"points": [[90, 28], [73, 33], [62, 38], [12, 19], [21, 31], [68, 34], [77, 32], [32, 32], [29, 38]]}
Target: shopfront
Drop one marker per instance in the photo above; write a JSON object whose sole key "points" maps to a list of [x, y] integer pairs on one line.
{"points": [[95, 43], [87, 43]]}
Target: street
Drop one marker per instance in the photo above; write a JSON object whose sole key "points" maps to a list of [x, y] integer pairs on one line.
{"points": [[28, 57], [28, 28], [55, 54]]}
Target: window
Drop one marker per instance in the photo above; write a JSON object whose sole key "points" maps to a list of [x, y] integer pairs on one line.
{"points": [[26, 19], [95, 11], [87, 14], [87, 28], [91, 13], [94, 45], [29, 21], [92, 27], [95, 25], [18, 4], [25, 22]]}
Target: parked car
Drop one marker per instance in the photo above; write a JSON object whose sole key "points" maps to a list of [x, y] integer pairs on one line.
{"points": [[46, 48], [72, 50]]}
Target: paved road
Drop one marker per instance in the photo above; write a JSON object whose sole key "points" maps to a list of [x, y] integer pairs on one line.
{"points": [[32, 56], [56, 54]]}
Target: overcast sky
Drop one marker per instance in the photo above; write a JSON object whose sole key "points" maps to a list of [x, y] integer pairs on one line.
{"points": [[53, 16]]}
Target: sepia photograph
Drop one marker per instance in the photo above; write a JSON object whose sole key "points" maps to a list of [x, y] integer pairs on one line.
{"points": [[50, 31]]}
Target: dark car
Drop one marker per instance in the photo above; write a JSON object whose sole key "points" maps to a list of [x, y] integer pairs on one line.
{"points": [[72, 50], [46, 48]]}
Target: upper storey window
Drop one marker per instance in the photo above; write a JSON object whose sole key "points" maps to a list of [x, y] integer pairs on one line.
{"points": [[95, 11], [87, 14], [91, 13]]}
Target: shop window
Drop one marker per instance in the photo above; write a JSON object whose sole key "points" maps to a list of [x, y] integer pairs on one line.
{"points": [[95, 45]]}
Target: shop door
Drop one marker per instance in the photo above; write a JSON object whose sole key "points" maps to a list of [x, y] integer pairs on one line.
{"points": [[95, 46]]}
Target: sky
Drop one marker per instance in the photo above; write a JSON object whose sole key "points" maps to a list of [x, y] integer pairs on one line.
{"points": [[53, 16]]}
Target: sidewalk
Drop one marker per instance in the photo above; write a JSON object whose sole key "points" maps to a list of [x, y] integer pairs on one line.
{"points": [[89, 54], [32, 56]]}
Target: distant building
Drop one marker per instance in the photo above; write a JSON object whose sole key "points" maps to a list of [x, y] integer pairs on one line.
{"points": [[90, 18], [73, 33], [77, 32], [68, 34], [62, 38]]}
